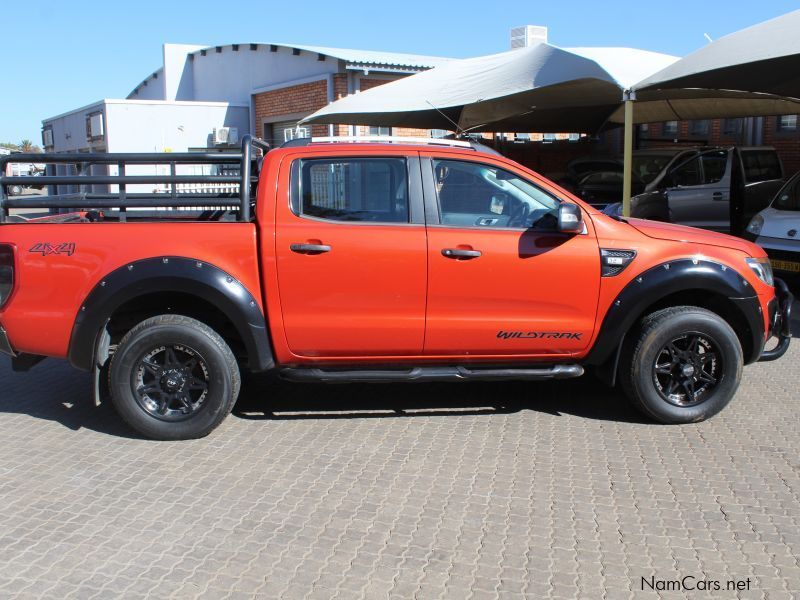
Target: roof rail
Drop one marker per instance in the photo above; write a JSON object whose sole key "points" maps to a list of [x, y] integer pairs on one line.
{"points": [[378, 139]]}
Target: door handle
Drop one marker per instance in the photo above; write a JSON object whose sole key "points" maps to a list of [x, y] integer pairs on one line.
{"points": [[460, 253], [310, 248], [717, 196]]}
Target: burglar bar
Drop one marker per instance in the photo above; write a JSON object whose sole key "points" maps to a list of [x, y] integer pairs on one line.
{"points": [[124, 199]]}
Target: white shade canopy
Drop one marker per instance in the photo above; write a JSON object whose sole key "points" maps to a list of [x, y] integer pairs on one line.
{"points": [[545, 87], [763, 58]]}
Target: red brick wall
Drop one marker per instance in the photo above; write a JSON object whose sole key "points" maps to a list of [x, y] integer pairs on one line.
{"points": [[787, 144], [303, 98], [367, 84]]}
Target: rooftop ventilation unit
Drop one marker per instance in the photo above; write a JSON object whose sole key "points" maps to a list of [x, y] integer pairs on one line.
{"points": [[528, 35]]}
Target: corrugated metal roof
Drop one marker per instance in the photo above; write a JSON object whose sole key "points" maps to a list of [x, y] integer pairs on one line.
{"points": [[374, 57]]}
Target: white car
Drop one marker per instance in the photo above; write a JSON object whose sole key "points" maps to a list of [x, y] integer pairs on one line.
{"points": [[777, 228]]}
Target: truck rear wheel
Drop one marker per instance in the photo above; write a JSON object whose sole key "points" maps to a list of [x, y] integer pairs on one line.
{"points": [[173, 378], [683, 365]]}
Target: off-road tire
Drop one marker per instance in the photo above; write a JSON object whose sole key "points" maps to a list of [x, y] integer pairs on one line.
{"points": [[649, 342], [219, 367]]}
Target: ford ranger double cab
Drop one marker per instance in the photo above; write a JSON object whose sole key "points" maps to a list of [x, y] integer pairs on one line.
{"points": [[369, 261]]}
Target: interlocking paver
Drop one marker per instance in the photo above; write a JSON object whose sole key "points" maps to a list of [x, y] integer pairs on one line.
{"points": [[500, 490]]}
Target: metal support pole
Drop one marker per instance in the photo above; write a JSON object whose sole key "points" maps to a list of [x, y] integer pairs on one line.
{"points": [[627, 164]]}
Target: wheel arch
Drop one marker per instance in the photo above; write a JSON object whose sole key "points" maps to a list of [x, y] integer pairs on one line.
{"points": [[171, 284], [691, 282]]}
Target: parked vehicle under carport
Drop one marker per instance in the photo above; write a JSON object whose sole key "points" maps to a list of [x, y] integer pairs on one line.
{"points": [[717, 188]]}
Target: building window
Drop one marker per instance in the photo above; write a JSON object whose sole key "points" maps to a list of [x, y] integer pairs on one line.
{"points": [[644, 130], [670, 128], [439, 133], [699, 127], [382, 131], [787, 123], [732, 126]]}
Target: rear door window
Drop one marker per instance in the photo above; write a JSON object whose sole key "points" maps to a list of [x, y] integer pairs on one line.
{"points": [[352, 189], [761, 165]]}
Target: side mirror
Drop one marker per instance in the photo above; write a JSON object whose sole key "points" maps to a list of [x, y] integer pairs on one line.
{"points": [[570, 219]]}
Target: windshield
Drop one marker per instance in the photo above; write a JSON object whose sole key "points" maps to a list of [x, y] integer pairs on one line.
{"points": [[647, 166], [789, 197]]}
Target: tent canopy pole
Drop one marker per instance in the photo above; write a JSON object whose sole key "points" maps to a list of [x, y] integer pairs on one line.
{"points": [[628, 98]]}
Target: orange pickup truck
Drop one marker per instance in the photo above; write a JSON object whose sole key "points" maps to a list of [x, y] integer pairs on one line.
{"points": [[386, 260]]}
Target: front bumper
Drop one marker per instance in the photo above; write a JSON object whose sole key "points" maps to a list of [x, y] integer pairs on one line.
{"points": [[780, 316]]}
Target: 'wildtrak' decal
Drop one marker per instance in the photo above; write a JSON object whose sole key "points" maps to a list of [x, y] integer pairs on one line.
{"points": [[536, 335]]}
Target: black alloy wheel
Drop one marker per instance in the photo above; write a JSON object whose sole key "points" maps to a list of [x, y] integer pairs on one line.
{"points": [[171, 382], [173, 378], [687, 369]]}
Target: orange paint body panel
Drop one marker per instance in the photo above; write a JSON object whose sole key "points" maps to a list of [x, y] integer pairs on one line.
{"points": [[49, 289]]}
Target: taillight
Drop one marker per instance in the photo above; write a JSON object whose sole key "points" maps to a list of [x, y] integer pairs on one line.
{"points": [[6, 272]]}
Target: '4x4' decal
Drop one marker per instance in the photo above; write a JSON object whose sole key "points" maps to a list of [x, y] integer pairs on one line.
{"points": [[46, 248]]}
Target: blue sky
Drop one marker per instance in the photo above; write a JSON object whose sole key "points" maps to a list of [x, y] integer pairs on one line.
{"points": [[58, 56]]}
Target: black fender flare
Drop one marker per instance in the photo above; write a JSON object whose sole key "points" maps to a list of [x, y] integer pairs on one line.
{"points": [[170, 274], [668, 278]]}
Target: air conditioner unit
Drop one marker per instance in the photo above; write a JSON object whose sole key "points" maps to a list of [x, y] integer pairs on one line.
{"points": [[226, 135]]}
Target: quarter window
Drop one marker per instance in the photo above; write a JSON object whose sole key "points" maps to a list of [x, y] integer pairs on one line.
{"points": [[478, 195], [358, 189]]}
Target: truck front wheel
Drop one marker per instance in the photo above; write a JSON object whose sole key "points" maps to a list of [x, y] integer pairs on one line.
{"points": [[173, 378], [682, 365]]}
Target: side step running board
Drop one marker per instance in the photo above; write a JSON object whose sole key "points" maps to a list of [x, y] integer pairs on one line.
{"points": [[430, 374]]}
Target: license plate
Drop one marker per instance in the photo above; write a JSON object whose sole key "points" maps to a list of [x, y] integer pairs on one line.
{"points": [[785, 265]]}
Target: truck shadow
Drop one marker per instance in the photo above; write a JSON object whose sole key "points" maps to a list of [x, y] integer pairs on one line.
{"points": [[53, 391], [268, 397]]}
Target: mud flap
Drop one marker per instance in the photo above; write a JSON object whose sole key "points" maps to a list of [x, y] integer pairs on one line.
{"points": [[102, 362]]}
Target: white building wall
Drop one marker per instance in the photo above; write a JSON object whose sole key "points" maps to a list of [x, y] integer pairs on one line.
{"points": [[153, 126], [154, 90], [178, 72], [69, 129]]}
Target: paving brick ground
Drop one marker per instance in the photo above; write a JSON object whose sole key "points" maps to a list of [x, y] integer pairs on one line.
{"points": [[463, 491]]}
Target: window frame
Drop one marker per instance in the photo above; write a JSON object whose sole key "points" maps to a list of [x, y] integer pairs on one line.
{"points": [[416, 209], [432, 208]]}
